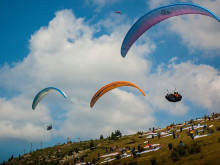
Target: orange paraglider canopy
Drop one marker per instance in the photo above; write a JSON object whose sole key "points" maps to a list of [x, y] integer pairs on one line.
{"points": [[109, 87]]}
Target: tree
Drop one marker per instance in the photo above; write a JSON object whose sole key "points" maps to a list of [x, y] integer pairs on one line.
{"points": [[91, 144], [112, 136], [118, 133], [11, 158], [101, 137]]}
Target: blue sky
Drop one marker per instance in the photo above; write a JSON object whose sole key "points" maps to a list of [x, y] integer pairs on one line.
{"points": [[75, 45]]}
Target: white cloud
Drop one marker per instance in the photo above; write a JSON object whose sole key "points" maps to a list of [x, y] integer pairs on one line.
{"points": [[27, 132], [115, 110], [66, 54], [101, 3], [201, 32], [154, 4], [198, 32], [197, 84], [18, 120]]}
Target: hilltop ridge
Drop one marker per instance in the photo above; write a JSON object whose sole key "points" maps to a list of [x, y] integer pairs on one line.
{"points": [[192, 142]]}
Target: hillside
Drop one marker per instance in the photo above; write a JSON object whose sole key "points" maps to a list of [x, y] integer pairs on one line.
{"points": [[203, 149]]}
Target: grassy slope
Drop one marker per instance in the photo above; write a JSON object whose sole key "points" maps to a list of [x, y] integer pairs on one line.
{"points": [[210, 150]]}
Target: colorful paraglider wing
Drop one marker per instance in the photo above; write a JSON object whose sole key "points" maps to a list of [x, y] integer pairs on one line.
{"points": [[109, 87], [43, 93], [118, 12], [157, 15]]}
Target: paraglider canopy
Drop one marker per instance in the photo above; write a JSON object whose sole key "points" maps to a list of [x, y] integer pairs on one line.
{"points": [[157, 15], [118, 12], [109, 87], [43, 93], [173, 97]]}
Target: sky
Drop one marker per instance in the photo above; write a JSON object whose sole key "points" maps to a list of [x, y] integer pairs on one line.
{"points": [[74, 45]]}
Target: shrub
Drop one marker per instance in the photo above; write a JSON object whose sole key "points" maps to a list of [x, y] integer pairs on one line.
{"points": [[132, 163], [194, 148], [175, 156], [70, 152], [76, 150], [153, 161], [180, 150]]}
